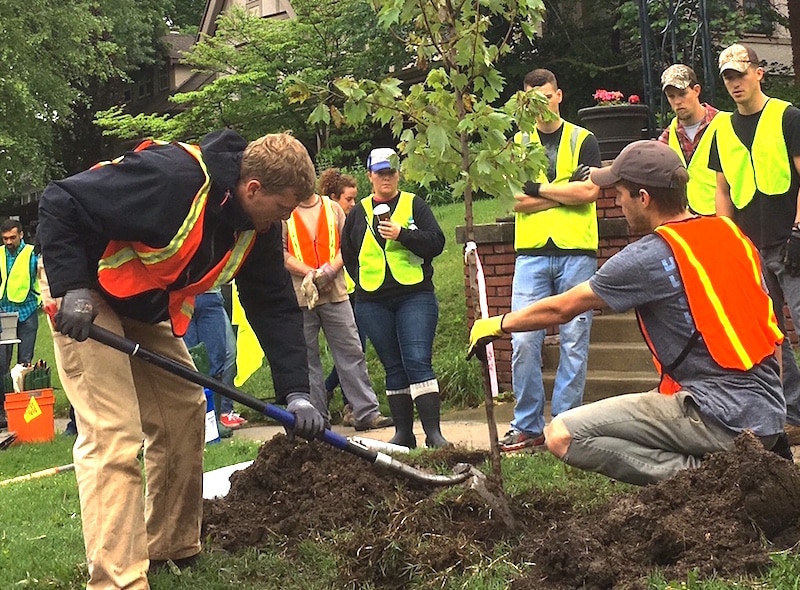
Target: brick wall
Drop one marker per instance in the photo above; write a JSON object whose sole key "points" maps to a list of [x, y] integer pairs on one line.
{"points": [[496, 250]]}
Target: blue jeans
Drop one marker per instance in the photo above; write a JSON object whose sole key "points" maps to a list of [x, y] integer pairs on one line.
{"points": [[26, 332], [401, 330], [210, 324], [537, 277], [784, 288]]}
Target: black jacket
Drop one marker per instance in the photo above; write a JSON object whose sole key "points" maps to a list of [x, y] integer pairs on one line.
{"points": [[145, 197]]}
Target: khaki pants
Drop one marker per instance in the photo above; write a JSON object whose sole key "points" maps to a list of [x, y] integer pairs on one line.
{"points": [[119, 402]]}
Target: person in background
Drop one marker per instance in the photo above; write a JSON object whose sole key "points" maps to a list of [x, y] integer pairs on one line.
{"points": [[20, 291], [555, 237], [690, 134], [710, 326], [756, 156], [312, 255], [390, 259], [127, 245], [343, 189], [211, 325]]}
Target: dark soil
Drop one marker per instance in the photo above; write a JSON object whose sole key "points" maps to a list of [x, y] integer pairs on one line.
{"points": [[720, 519]]}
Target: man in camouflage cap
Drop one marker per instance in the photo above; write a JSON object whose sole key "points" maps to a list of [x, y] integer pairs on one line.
{"points": [[690, 134], [756, 154]]}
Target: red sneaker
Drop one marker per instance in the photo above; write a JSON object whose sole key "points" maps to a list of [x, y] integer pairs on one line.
{"points": [[232, 420]]}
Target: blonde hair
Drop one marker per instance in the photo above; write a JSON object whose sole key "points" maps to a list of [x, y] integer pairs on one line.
{"points": [[332, 183], [279, 162]]}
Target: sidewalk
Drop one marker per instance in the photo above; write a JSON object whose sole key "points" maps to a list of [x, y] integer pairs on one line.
{"points": [[467, 428]]}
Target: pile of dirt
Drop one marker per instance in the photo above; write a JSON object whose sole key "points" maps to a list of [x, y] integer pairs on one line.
{"points": [[713, 520]]}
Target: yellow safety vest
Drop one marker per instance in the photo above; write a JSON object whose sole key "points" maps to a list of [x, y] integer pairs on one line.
{"points": [[766, 166], [405, 266], [17, 283], [702, 179], [571, 228]]}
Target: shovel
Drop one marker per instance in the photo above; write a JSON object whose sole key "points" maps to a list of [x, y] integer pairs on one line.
{"points": [[170, 365]]}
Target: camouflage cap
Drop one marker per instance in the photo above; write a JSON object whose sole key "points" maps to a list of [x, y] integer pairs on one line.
{"points": [[679, 76], [737, 57]]}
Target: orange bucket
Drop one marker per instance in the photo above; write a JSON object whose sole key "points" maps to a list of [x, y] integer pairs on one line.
{"points": [[30, 415]]}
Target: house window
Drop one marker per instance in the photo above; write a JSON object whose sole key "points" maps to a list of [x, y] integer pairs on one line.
{"points": [[163, 79], [761, 14], [145, 85]]}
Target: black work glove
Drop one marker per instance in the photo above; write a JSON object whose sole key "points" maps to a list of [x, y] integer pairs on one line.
{"points": [[308, 422], [76, 314], [791, 253], [531, 188], [581, 173]]}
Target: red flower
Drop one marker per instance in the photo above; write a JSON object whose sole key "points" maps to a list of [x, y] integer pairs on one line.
{"points": [[613, 97]]}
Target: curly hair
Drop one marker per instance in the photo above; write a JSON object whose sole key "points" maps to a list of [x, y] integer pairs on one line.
{"points": [[332, 183]]}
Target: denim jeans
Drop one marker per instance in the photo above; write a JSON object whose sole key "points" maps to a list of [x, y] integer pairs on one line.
{"points": [[537, 277], [784, 288], [210, 324], [401, 330], [26, 332]]}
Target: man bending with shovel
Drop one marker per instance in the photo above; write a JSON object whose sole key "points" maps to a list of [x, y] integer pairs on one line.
{"points": [[696, 286], [127, 245]]}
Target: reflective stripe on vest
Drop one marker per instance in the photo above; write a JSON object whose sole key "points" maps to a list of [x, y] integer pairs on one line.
{"points": [[571, 228], [131, 268], [314, 250], [702, 179], [405, 266], [766, 166], [17, 283], [730, 308]]}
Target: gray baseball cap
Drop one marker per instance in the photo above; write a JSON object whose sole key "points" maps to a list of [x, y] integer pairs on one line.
{"points": [[648, 162]]}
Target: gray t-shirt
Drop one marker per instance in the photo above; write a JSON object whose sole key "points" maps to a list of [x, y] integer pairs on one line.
{"points": [[645, 276]]}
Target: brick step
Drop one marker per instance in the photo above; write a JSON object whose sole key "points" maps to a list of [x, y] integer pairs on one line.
{"points": [[603, 384], [606, 356]]}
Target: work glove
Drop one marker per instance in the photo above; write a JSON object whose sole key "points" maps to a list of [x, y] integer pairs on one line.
{"points": [[531, 188], [76, 314], [791, 253], [308, 422], [581, 173], [324, 277], [483, 332], [309, 289]]}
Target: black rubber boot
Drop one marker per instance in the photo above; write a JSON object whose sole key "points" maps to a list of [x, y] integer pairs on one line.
{"points": [[402, 408], [428, 408]]}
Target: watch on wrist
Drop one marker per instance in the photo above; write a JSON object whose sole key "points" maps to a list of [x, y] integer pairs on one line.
{"points": [[796, 226]]}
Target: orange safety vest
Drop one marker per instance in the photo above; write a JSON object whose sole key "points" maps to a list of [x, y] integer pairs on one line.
{"points": [[721, 274], [319, 248], [127, 269]]}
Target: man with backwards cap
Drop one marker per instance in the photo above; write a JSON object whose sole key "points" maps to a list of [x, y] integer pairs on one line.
{"points": [[690, 134], [710, 327], [756, 155]]}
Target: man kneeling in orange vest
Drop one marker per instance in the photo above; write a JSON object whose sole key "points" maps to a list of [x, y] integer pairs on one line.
{"points": [[696, 286]]}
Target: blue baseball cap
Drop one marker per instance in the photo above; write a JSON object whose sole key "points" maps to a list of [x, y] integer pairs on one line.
{"points": [[382, 159]]}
